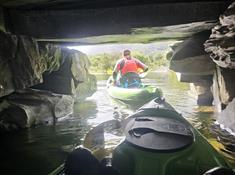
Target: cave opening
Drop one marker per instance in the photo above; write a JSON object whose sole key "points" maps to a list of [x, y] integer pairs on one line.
{"points": [[56, 57]]}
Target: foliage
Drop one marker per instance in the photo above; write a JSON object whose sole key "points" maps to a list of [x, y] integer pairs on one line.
{"points": [[106, 62]]}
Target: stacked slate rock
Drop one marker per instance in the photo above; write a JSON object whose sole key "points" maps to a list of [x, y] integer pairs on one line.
{"points": [[194, 66], [26, 108], [221, 44], [72, 77], [221, 47], [38, 82]]}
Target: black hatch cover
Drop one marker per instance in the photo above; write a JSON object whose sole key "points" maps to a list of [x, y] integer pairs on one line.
{"points": [[158, 133]]}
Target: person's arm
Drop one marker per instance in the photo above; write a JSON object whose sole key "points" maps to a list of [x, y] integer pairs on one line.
{"points": [[141, 65], [115, 70], [114, 75], [146, 69]]}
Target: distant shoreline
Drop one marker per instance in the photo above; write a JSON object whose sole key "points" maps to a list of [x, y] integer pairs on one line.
{"points": [[160, 69]]}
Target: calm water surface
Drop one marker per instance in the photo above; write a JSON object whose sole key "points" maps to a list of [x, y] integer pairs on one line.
{"points": [[39, 150]]}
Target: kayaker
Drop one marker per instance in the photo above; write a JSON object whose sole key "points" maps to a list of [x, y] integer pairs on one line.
{"points": [[128, 68]]}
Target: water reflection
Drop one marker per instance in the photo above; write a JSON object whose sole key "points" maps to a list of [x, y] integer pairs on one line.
{"points": [[86, 109], [201, 117], [40, 150], [224, 143]]}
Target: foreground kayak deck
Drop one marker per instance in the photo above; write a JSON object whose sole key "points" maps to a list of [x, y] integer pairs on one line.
{"points": [[159, 141], [164, 155]]}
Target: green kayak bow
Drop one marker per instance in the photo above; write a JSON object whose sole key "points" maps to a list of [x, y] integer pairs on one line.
{"points": [[142, 94], [159, 141]]}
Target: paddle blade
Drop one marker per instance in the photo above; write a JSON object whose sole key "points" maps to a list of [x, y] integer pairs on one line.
{"points": [[94, 138], [143, 75]]}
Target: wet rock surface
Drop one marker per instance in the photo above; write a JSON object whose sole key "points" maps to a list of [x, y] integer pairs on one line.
{"points": [[71, 76], [50, 69], [25, 63], [224, 95], [86, 88], [27, 108], [64, 21], [59, 81], [221, 45], [195, 66], [189, 56], [21, 63], [226, 117], [202, 89], [223, 87]]}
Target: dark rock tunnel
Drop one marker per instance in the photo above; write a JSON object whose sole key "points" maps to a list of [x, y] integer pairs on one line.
{"points": [[34, 33], [40, 76]]}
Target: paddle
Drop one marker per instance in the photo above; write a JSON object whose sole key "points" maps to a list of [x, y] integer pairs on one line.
{"points": [[95, 138], [94, 141], [143, 74]]}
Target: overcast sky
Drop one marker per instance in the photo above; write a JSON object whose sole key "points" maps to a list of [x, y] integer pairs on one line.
{"points": [[110, 48]]}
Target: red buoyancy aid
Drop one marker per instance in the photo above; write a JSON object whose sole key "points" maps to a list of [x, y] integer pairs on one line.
{"points": [[129, 65]]}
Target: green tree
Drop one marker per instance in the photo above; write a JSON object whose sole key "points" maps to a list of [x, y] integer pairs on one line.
{"points": [[105, 62]]}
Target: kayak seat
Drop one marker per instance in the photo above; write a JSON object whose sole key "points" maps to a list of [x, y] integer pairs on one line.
{"points": [[130, 80]]}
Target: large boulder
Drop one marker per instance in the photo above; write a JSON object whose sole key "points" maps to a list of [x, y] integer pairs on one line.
{"points": [[21, 63], [190, 58], [72, 77], [29, 107], [61, 80], [194, 66], [24, 63], [221, 44], [226, 117], [80, 65], [223, 87], [86, 88], [53, 70], [202, 92], [86, 83]]}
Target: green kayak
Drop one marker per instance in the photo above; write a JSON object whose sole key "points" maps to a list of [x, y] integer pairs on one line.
{"points": [[159, 141], [144, 93]]}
